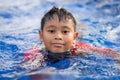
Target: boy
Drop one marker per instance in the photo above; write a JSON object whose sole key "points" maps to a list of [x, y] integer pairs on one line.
{"points": [[59, 37], [58, 33]]}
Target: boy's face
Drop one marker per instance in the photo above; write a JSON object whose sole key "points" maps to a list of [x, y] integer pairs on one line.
{"points": [[58, 36]]}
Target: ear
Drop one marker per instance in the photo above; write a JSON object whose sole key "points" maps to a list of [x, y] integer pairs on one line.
{"points": [[41, 35], [75, 36]]}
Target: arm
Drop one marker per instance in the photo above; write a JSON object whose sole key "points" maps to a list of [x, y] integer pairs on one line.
{"points": [[88, 48], [33, 58], [31, 53], [83, 48]]}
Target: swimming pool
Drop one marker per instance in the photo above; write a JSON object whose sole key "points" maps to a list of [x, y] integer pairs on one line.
{"points": [[20, 21]]}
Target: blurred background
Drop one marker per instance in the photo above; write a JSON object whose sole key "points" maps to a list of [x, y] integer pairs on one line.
{"points": [[98, 22]]}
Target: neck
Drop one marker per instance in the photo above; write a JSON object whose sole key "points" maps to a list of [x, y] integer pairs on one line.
{"points": [[56, 56]]}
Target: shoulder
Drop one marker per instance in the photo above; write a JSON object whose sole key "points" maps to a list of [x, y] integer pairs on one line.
{"points": [[31, 53], [33, 58], [82, 47]]}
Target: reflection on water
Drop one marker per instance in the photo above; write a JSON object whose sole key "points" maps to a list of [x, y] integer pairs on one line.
{"points": [[20, 20], [77, 67], [74, 67]]}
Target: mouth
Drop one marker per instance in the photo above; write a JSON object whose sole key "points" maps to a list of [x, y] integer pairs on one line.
{"points": [[57, 44]]}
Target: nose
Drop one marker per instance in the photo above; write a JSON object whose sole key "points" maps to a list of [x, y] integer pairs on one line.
{"points": [[58, 36]]}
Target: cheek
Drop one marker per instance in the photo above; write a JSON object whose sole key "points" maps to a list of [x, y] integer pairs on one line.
{"points": [[69, 40], [69, 45], [46, 40], [46, 36]]}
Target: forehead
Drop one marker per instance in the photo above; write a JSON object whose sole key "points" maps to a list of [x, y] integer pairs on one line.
{"points": [[54, 21]]}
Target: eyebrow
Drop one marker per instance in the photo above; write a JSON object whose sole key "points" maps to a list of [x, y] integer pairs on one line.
{"points": [[53, 26], [66, 27]]}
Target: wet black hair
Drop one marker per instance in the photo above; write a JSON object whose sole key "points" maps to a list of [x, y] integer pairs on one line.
{"points": [[61, 13]]}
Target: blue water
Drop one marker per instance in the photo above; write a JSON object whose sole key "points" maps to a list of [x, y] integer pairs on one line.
{"points": [[19, 24]]}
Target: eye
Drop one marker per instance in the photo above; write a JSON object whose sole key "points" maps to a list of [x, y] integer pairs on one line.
{"points": [[51, 31], [65, 31]]}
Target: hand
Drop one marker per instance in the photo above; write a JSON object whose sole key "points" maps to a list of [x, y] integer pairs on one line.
{"points": [[81, 53], [117, 57]]}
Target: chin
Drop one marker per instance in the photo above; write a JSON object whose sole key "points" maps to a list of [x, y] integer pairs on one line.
{"points": [[57, 51]]}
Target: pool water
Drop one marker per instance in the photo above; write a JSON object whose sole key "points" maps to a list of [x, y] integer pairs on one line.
{"points": [[19, 25]]}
